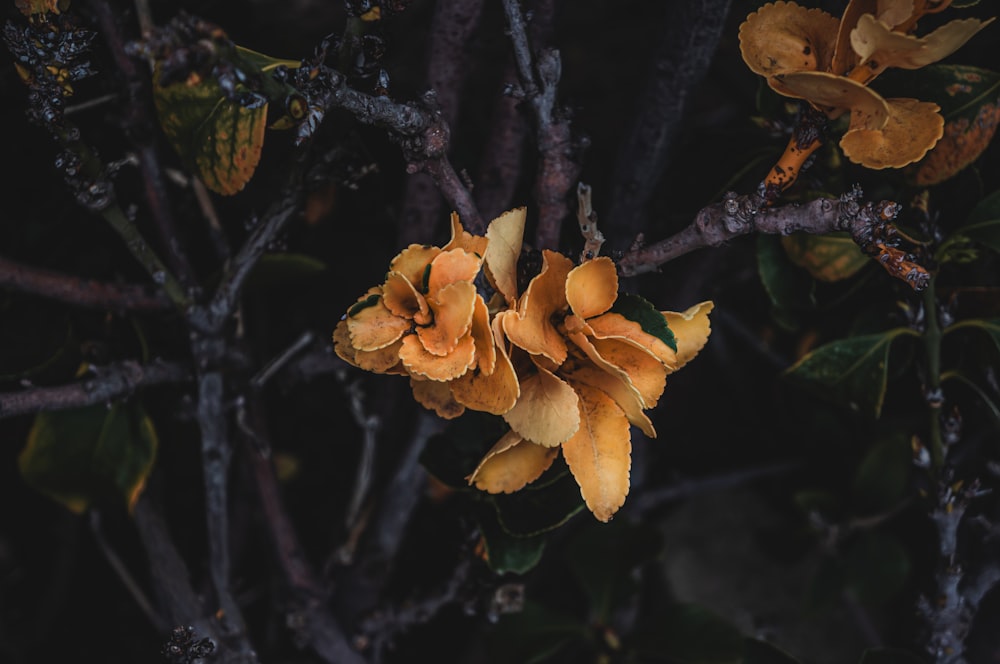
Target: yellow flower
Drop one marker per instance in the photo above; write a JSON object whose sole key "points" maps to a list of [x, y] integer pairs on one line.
{"points": [[587, 370], [808, 54]]}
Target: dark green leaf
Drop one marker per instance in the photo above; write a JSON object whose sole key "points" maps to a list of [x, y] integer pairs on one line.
{"points": [[545, 504], [507, 553], [990, 326], [761, 652], [884, 475], [603, 556], [453, 454], [284, 269], [852, 371], [85, 455], [983, 224], [877, 567], [534, 635], [788, 291], [689, 634], [369, 301], [889, 656], [641, 311]]}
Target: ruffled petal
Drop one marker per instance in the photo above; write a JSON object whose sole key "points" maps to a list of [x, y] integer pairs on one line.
{"points": [[591, 288], [616, 326], [452, 307], [532, 328], [546, 412], [913, 128], [482, 334], [868, 108], [435, 367], [600, 454], [876, 42], [436, 396], [412, 263], [382, 360], [462, 239], [402, 298], [506, 234], [454, 266], [691, 329], [783, 36], [511, 464], [373, 326]]}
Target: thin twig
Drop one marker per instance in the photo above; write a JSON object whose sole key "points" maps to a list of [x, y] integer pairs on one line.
{"points": [[79, 291], [281, 360], [593, 238], [131, 585], [110, 382]]}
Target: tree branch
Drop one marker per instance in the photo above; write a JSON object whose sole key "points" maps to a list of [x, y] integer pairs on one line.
{"points": [[691, 32], [557, 171], [109, 382], [79, 291]]}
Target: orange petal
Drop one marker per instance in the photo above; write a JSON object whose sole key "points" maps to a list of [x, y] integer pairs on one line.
{"points": [[600, 453], [434, 367], [913, 128], [452, 308], [402, 298], [436, 396], [619, 389], [506, 234], [373, 327], [381, 360], [449, 267], [412, 263], [647, 373], [511, 464], [495, 393], [691, 329], [875, 41], [782, 36], [592, 288], [532, 328], [462, 239], [342, 343], [867, 107], [844, 57], [546, 412], [482, 334], [616, 326]]}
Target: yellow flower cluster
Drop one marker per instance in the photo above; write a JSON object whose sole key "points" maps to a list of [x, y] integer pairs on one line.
{"points": [[568, 363], [809, 54]]}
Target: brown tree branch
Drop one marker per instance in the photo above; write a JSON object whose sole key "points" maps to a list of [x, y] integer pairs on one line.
{"points": [[557, 171], [113, 381], [79, 291], [868, 224]]}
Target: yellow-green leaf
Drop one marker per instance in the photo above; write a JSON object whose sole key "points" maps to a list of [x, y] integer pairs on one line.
{"points": [[826, 257], [86, 455], [218, 138]]}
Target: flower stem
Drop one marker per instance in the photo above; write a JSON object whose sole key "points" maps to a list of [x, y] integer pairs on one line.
{"points": [[932, 388]]}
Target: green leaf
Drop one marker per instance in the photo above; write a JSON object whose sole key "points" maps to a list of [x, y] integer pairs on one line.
{"points": [[260, 62], [889, 656], [602, 558], [507, 553], [782, 280], [369, 301], [877, 567], [85, 455], [853, 371], [534, 635], [968, 97], [639, 310], [544, 505], [827, 258], [983, 224], [884, 475], [218, 138], [284, 269], [991, 326], [454, 453], [761, 652], [689, 634]]}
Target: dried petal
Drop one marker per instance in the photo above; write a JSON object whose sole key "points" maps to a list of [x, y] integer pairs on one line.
{"points": [[401, 297], [532, 328], [875, 41], [622, 391], [462, 239], [844, 57], [616, 326], [382, 360], [647, 373], [373, 327], [412, 263], [452, 307], [418, 361], [691, 329], [592, 288], [600, 453], [825, 90], [449, 267], [505, 234], [913, 128], [511, 464], [436, 396], [546, 412], [783, 36]]}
